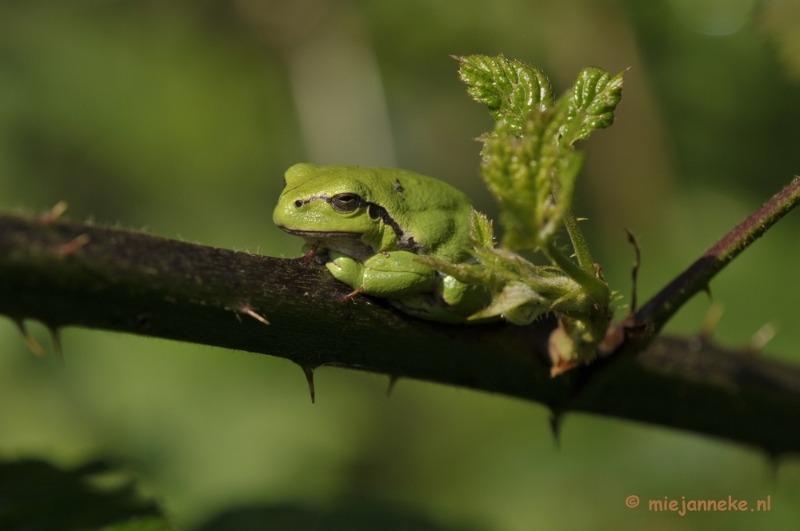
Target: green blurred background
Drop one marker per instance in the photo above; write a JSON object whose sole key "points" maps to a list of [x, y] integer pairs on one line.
{"points": [[180, 117]]}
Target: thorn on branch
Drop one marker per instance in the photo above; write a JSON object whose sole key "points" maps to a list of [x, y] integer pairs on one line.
{"points": [[392, 381], [29, 340], [73, 245], [247, 310], [555, 428], [775, 460], [711, 320], [56, 337], [707, 289], [54, 213], [309, 373], [350, 295], [760, 339]]}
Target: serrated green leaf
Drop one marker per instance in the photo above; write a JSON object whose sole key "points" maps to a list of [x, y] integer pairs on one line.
{"points": [[513, 175], [595, 96], [517, 303], [530, 166], [509, 88], [480, 229], [528, 162]]}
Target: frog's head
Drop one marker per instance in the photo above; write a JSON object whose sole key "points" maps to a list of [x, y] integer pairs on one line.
{"points": [[321, 204]]}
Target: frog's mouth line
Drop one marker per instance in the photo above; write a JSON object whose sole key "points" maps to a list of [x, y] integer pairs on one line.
{"points": [[322, 234]]}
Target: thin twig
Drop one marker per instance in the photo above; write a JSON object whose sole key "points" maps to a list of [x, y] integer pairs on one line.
{"points": [[658, 310]]}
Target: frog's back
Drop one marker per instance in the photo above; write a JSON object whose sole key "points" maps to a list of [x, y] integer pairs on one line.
{"points": [[430, 212], [428, 215]]}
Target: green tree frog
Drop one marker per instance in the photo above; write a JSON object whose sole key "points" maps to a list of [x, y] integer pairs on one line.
{"points": [[370, 226]]}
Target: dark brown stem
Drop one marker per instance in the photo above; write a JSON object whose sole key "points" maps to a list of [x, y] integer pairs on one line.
{"points": [[136, 283], [658, 310]]}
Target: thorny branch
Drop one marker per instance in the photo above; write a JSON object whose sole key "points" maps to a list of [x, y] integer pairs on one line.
{"points": [[66, 274]]}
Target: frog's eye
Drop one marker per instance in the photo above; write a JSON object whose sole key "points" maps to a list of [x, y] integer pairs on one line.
{"points": [[345, 203]]}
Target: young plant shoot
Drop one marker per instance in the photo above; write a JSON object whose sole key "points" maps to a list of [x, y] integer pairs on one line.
{"points": [[418, 243]]}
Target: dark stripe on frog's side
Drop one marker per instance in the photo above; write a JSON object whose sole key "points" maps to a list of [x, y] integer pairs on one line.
{"points": [[375, 211], [304, 202], [403, 243]]}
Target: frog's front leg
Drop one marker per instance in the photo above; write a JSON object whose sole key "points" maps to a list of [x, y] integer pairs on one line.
{"points": [[390, 275], [316, 252]]}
